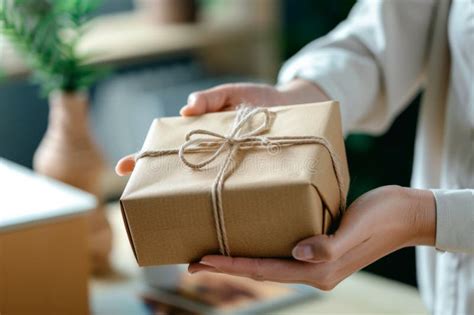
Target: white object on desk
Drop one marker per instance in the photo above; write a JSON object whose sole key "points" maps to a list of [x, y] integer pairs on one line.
{"points": [[43, 249], [28, 198]]}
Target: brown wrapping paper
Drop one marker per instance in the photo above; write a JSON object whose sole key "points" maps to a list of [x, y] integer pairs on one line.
{"points": [[274, 196], [44, 268]]}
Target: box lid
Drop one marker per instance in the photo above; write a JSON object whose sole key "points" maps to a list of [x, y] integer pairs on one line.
{"points": [[29, 198]]}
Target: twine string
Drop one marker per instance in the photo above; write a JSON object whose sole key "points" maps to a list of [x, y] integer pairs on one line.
{"points": [[240, 137]]}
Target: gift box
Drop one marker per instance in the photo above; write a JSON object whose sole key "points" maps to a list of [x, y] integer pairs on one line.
{"points": [[44, 265], [249, 183]]}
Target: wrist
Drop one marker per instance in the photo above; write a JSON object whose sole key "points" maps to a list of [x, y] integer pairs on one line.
{"points": [[299, 91], [422, 207]]}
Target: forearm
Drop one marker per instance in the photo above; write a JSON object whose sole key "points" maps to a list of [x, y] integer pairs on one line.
{"points": [[422, 211]]}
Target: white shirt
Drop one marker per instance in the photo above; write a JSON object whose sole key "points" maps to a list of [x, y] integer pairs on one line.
{"points": [[374, 63]]}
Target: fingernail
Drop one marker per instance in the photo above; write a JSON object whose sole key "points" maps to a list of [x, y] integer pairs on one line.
{"points": [[304, 252], [193, 272], [191, 99], [195, 269], [206, 263]]}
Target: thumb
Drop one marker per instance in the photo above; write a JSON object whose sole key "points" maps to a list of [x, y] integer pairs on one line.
{"points": [[211, 100], [324, 248], [126, 165]]}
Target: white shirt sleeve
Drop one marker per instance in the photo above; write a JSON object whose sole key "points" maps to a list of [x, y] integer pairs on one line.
{"points": [[372, 63], [455, 220]]}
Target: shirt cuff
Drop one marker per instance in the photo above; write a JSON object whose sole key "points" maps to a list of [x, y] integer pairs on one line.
{"points": [[454, 220]]}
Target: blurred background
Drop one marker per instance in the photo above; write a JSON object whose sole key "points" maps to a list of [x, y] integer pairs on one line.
{"points": [[158, 54]]}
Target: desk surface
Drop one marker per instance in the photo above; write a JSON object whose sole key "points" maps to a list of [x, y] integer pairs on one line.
{"points": [[362, 293]]}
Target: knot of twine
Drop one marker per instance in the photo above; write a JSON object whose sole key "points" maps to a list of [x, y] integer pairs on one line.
{"points": [[238, 138]]}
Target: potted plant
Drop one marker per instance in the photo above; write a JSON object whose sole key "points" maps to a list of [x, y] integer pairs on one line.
{"points": [[46, 32]]}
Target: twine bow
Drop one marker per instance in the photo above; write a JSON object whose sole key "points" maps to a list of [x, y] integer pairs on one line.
{"points": [[239, 139]]}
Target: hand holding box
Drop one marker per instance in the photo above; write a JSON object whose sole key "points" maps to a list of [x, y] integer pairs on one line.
{"points": [[278, 176]]}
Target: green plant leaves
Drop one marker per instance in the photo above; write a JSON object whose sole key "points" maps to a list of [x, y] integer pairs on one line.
{"points": [[46, 32]]}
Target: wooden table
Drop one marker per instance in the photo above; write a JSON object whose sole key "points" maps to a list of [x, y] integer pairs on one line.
{"points": [[362, 293]]}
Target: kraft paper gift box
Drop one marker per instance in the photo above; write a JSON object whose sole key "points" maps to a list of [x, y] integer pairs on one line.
{"points": [[44, 262], [280, 186]]}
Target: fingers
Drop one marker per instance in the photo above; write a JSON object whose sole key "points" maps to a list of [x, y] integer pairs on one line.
{"points": [[354, 260], [256, 268], [318, 248], [211, 100], [324, 248], [197, 267], [126, 165], [227, 96], [321, 276], [325, 275]]}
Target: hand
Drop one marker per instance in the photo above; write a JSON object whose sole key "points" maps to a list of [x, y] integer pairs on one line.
{"points": [[228, 96], [378, 223]]}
